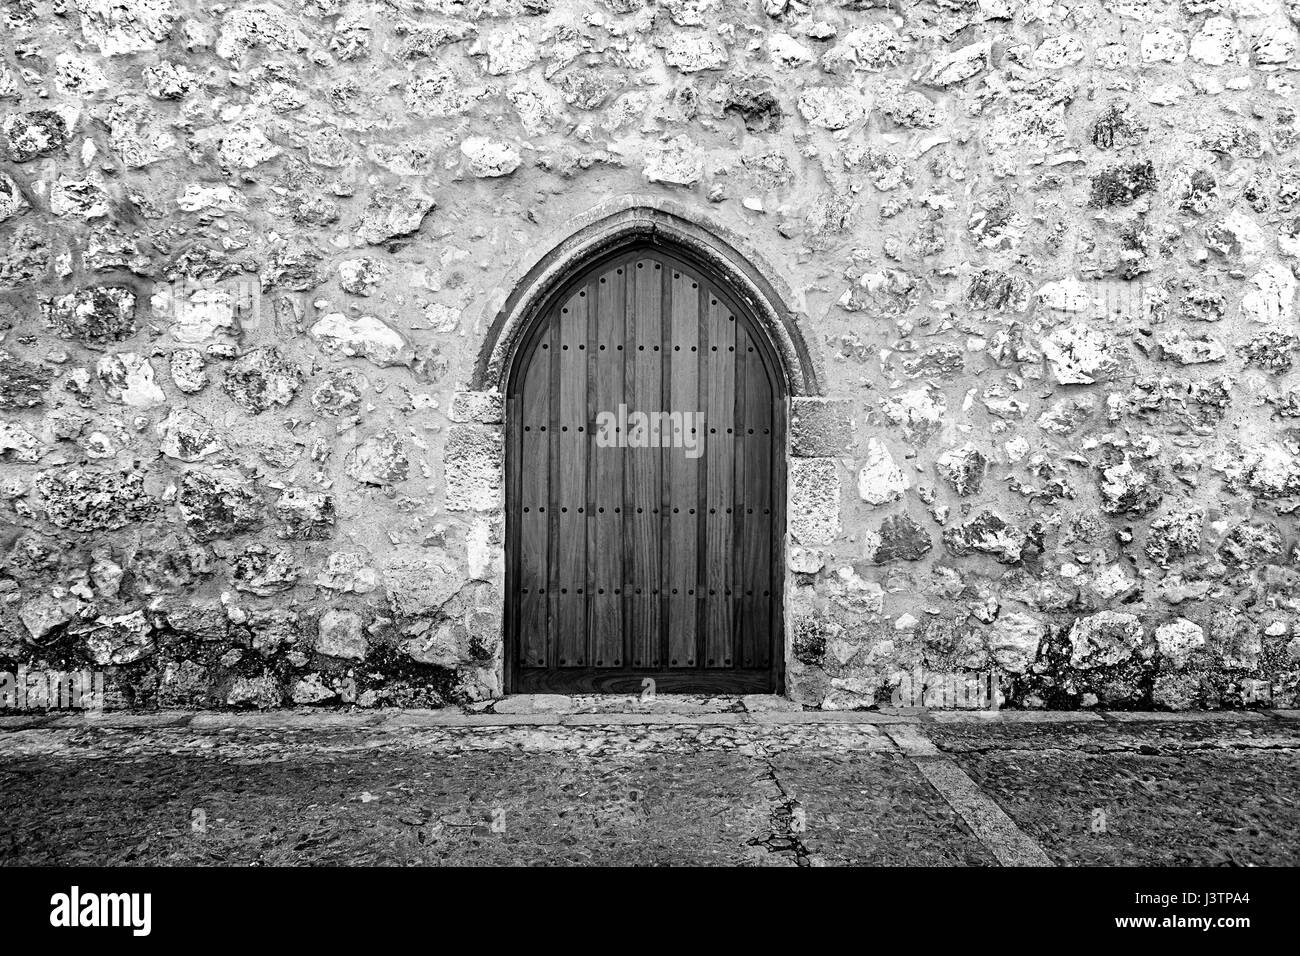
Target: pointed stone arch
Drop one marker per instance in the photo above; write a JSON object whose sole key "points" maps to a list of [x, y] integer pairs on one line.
{"points": [[640, 219]]}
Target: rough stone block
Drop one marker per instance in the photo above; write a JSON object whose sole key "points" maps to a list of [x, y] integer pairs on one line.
{"points": [[821, 427], [474, 460], [482, 407], [814, 513]]}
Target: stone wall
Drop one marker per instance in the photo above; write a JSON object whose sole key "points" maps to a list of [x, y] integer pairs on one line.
{"points": [[1044, 257]]}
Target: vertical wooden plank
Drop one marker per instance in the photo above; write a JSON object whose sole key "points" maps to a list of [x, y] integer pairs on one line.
{"points": [[717, 362], [534, 538], [605, 526], [681, 548], [571, 635], [755, 444], [642, 480]]}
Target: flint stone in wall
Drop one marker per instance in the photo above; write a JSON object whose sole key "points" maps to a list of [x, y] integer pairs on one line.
{"points": [[1275, 44], [379, 460], [948, 69], [902, 538], [392, 214], [262, 571], [832, 107], [677, 162], [419, 583], [874, 48], [805, 560], [257, 26], [993, 291], [919, 412], [85, 198], [1080, 354], [788, 52], [261, 379], [364, 336], [488, 158], [340, 393], [119, 27], [168, 81], [1250, 546], [217, 505], [340, 634], [128, 378], [187, 369], [509, 50], [1188, 349], [1067, 295], [1058, 52], [880, 480], [1273, 472], [1014, 640], [820, 427], [814, 511], [123, 639], [1174, 536], [11, 198], [439, 646], [1178, 640], [34, 134], [1274, 351], [963, 468], [45, 614], [295, 266], [305, 515], [138, 136], [96, 315], [1163, 45], [987, 533], [311, 690], [473, 460], [1104, 639], [1217, 43], [1271, 297], [24, 256], [1130, 486], [693, 52], [22, 384], [86, 500], [1121, 185], [186, 436], [262, 692], [360, 276]]}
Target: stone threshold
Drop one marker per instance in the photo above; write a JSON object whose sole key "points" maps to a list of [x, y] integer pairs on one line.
{"points": [[660, 712]]}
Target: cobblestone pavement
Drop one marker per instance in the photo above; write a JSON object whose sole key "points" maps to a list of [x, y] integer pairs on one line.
{"points": [[691, 784]]}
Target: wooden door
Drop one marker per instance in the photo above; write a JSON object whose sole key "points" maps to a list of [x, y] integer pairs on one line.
{"points": [[645, 474]]}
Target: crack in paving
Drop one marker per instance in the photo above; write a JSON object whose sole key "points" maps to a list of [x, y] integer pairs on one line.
{"points": [[785, 820]]}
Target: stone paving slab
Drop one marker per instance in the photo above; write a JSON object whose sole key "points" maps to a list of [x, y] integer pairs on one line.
{"points": [[1184, 716], [21, 721], [1222, 807], [1150, 737], [284, 719], [1014, 716], [831, 717], [126, 719]]}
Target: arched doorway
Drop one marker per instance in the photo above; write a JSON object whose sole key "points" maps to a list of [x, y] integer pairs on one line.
{"points": [[645, 411]]}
